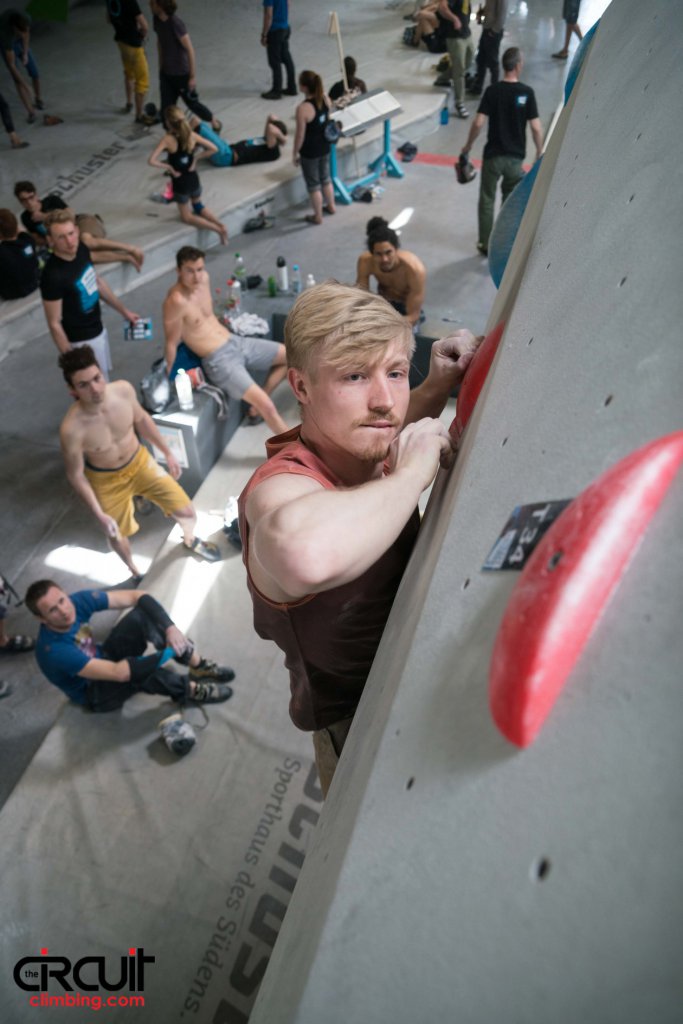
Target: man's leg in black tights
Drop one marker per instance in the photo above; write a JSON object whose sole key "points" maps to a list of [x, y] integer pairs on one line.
{"points": [[286, 59], [274, 51]]}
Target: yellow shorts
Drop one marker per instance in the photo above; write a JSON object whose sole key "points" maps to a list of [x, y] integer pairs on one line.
{"points": [[135, 66], [115, 489]]}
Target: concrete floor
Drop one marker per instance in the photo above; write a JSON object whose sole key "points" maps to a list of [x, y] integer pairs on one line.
{"points": [[46, 529]]}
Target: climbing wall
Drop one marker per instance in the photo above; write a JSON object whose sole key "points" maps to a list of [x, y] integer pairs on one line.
{"points": [[455, 875]]}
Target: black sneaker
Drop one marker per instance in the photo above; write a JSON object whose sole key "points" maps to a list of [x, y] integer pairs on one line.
{"points": [[210, 670], [291, 92], [210, 693], [271, 95]]}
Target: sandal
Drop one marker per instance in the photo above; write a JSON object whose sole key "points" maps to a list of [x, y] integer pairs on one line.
{"points": [[205, 549], [310, 219], [18, 644]]}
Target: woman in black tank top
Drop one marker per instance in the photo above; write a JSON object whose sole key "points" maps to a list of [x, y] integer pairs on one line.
{"points": [[183, 148], [311, 148]]}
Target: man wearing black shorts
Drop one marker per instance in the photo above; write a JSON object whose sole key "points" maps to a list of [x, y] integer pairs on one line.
{"points": [[261, 149]]}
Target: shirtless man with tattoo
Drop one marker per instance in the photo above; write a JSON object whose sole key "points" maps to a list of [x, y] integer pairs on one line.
{"points": [[226, 358], [401, 276], [106, 464]]}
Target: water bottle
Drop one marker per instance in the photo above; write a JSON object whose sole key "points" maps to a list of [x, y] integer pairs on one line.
{"points": [[282, 275], [296, 279], [183, 386], [234, 298], [240, 269], [310, 281]]}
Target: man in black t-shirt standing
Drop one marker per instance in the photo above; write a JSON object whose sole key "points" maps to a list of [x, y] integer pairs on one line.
{"points": [[509, 106], [71, 292], [130, 32]]}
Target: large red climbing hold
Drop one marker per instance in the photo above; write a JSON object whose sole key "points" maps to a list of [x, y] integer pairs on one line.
{"points": [[474, 378], [567, 582]]}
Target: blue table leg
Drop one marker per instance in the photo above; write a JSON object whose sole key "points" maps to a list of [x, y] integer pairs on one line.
{"points": [[340, 190]]}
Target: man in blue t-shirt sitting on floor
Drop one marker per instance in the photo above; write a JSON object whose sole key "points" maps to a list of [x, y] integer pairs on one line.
{"points": [[102, 676]]}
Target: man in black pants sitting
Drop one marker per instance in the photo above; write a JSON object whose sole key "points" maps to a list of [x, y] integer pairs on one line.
{"points": [[103, 676]]}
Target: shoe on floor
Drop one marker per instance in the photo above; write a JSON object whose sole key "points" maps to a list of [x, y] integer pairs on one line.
{"points": [[209, 671], [18, 644], [560, 55], [291, 92], [210, 693], [39, 105], [205, 549], [30, 118], [482, 250], [461, 111], [126, 109], [178, 734], [252, 421], [271, 95]]}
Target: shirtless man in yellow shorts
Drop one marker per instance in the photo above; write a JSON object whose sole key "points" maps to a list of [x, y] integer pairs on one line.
{"points": [[226, 358], [401, 276], [106, 464]]}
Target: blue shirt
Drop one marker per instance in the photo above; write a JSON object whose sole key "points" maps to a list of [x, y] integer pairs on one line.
{"points": [[61, 656], [223, 158], [280, 13]]}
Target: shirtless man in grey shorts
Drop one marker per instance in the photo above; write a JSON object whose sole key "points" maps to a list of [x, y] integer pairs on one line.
{"points": [[226, 358]]}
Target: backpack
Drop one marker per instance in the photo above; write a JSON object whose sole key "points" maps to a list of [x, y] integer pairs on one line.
{"points": [[155, 387]]}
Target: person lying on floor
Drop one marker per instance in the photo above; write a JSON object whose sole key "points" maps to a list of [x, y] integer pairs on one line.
{"points": [[261, 149]]}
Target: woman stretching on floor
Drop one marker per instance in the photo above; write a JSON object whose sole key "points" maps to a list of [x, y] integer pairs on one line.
{"points": [[183, 148], [311, 148]]}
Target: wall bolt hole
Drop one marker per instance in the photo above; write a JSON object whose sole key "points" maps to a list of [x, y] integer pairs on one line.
{"points": [[623, 282], [503, 442], [540, 869], [466, 583], [529, 341], [409, 783], [609, 399], [555, 560], [632, 198]]}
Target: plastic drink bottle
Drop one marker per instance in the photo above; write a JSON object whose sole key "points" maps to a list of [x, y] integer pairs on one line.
{"points": [[240, 269], [296, 279], [282, 275], [183, 386], [310, 281], [235, 298]]}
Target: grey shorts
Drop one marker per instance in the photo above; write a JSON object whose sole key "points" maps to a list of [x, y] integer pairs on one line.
{"points": [[228, 367], [316, 171]]}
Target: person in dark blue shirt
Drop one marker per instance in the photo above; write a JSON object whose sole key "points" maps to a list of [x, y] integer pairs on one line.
{"points": [[275, 36], [101, 676]]}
